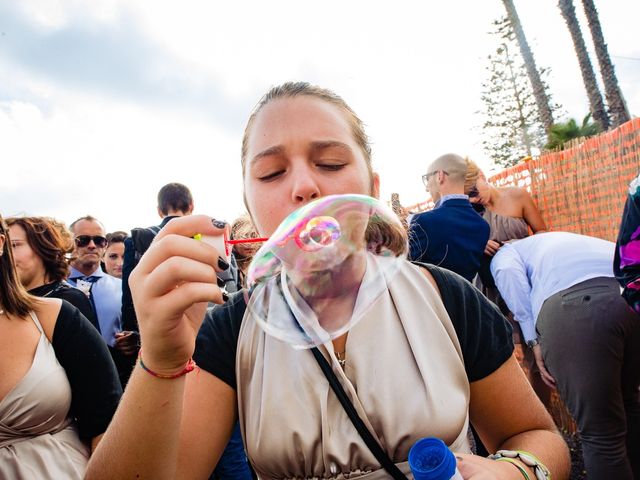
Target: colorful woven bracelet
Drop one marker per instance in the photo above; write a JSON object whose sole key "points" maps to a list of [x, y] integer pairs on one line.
{"points": [[529, 459], [189, 367], [512, 461]]}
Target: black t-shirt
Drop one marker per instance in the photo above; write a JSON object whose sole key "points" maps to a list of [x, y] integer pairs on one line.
{"points": [[64, 291], [95, 387], [484, 334]]}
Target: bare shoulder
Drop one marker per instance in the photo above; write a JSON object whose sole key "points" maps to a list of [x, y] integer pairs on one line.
{"points": [[516, 193], [47, 310]]}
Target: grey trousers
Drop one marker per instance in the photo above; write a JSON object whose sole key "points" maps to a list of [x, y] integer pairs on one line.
{"points": [[590, 343]]}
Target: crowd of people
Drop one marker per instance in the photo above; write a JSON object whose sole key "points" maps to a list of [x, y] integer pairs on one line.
{"points": [[100, 331]]}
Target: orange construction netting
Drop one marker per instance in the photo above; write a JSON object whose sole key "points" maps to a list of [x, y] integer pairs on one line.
{"points": [[582, 189]]}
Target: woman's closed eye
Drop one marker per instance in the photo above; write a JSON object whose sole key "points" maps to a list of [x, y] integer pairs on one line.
{"points": [[113, 256], [270, 176], [331, 166], [275, 172]]}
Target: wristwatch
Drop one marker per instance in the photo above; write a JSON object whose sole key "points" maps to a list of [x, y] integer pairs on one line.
{"points": [[533, 343]]}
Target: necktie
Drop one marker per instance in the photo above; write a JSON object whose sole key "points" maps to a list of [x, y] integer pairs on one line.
{"points": [[92, 279]]}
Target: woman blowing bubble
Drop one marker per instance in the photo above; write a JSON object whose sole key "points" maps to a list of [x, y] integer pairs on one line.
{"points": [[409, 369]]}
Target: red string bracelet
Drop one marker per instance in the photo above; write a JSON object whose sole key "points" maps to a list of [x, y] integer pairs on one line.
{"points": [[189, 367]]}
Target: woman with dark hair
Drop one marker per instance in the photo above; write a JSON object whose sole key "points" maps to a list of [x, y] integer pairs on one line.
{"points": [[114, 254], [58, 385], [41, 249]]}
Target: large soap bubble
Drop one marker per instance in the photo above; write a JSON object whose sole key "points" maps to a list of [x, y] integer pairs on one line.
{"points": [[323, 268]]}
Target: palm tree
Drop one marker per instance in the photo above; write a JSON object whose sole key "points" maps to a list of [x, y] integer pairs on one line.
{"points": [[596, 103], [617, 108], [542, 100], [561, 133]]}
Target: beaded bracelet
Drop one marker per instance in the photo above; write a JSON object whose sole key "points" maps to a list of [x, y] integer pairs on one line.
{"points": [[529, 459], [189, 367]]}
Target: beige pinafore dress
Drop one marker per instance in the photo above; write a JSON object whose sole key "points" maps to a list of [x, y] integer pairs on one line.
{"points": [[404, 374], [38, 439], [503, 228]]}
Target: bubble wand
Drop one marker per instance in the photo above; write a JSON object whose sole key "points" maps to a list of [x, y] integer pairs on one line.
{"points": [[228, 243], [310, 235]]}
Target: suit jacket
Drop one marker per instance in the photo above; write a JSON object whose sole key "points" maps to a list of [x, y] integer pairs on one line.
{"points": [[129, 319], [64, 291], [452, 236]]}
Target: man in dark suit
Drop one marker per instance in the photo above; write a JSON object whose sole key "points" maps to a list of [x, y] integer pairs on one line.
{"points": [[452, 235], [174, 200]]}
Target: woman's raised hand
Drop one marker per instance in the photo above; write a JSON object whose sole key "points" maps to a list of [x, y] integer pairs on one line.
{"points": [[171, 286]]}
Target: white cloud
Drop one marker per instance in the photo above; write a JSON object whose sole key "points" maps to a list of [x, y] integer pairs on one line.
{"points": [[181, 83], [109, 160]]}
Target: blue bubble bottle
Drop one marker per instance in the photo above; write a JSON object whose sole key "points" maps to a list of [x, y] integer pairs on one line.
{"points": [[431, 459]]}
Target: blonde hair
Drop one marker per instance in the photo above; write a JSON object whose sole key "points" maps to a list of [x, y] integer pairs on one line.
{"points": [[471, 177], [242, 227]]}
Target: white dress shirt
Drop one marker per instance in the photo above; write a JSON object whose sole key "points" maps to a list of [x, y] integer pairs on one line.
{"points": [[529, 271], [107, 300]]}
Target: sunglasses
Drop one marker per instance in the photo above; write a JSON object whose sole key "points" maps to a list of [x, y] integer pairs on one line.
{"points": [[84, 240], [427, 176]]}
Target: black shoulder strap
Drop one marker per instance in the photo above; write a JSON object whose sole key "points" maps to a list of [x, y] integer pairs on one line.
{"points": [[449, 304], [364, 432]]}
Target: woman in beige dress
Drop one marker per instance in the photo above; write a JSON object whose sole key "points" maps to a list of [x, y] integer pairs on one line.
{"points": [[410, 369], [510, 211], [58, 385]]}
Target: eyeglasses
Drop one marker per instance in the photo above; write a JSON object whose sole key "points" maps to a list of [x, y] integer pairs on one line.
{"points": [[84, 240], [427, 176]]}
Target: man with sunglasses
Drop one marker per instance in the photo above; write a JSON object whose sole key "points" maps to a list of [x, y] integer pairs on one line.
{"points": [[104, 291], [452, 235]]}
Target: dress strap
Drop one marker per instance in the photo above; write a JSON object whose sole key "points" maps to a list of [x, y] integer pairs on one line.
{"points": [[34, 317]]}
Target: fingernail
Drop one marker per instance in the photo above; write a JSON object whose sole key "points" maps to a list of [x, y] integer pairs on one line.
{"points": [[222, 263], [220, 282], [219, 223], [225, 296]]}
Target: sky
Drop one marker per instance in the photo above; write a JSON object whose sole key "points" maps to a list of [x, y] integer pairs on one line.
{"points": [[104, 102]]}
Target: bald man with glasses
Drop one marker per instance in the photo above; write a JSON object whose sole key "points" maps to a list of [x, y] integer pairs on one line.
{"points": [[452, 235]]}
